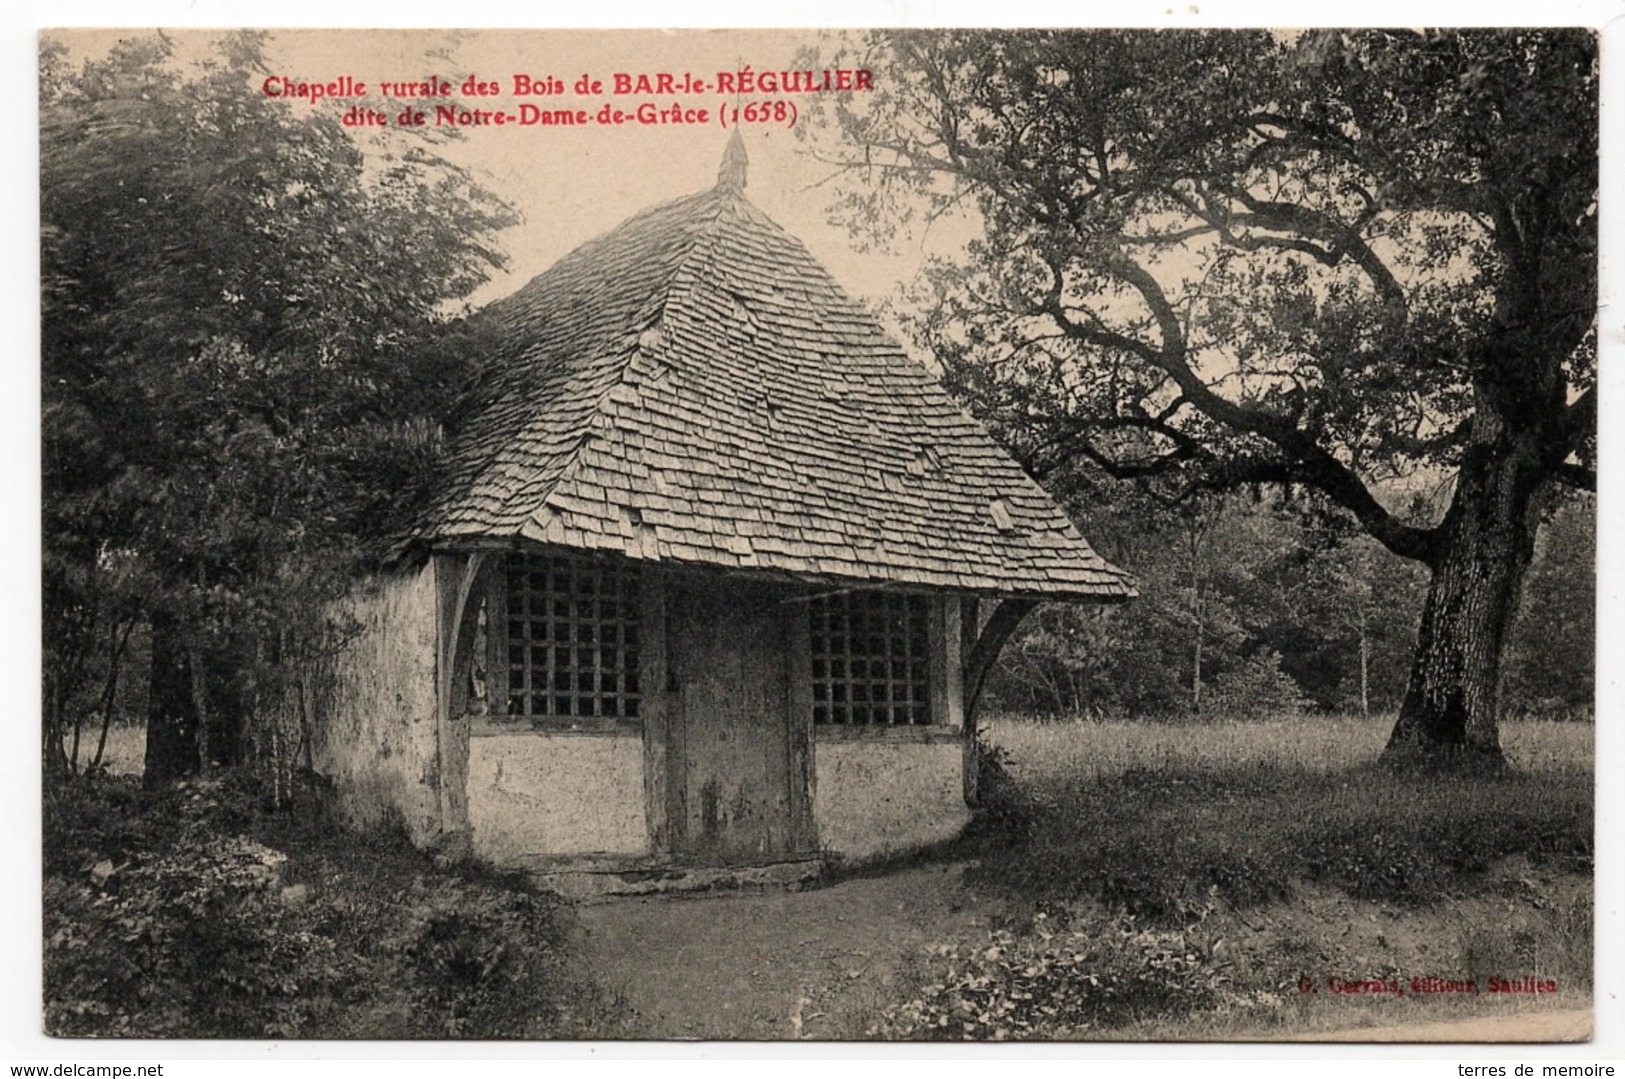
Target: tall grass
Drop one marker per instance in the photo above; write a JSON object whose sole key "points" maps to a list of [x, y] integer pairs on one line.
{"points": [[1043, 753], [1165, 820]]}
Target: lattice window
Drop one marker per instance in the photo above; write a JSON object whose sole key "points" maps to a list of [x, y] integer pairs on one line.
{"points": [[870, 659], [573, 626]]}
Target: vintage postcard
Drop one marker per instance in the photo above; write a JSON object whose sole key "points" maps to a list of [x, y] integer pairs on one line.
{"points": [[992, 535]]}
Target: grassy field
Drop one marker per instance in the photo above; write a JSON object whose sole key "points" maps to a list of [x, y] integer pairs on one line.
{"points": [[1164, 820], [1201, 873], [1051, 753]]}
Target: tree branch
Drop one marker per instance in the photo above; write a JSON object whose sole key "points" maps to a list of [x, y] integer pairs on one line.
{"points": [[1077, 440], [1580, 420], [1345, 242], [1578, 477]]}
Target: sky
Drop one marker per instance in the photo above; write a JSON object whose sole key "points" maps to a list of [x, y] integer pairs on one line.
{"points": [[573, 183]]}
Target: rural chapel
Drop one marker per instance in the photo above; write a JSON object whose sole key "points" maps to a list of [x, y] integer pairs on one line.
{"points": [[714, 582]]}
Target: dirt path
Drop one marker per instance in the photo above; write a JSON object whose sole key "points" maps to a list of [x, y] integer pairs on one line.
{"points": [[775, 964], [822, 963]]}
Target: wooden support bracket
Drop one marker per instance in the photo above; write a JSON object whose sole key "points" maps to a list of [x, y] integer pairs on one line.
{"points": [[984, 649], [981, 644], [456, 578]]}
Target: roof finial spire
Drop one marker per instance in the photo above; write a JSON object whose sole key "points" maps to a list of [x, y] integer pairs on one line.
{"points": [[731, 176]]}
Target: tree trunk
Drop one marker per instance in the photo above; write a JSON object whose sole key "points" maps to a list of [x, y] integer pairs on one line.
{"points": [[1362, 630], [172, 718], [115, 664], [1450, 712], [1196, 621], [1196, 670], [1365, 669], [56, 760], [1199, 529], [224, 722]]}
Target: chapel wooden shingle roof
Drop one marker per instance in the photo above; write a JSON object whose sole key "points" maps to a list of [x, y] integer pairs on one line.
{"points": [[694, 388]]}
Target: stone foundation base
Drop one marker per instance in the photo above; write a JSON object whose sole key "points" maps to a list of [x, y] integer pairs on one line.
{"points": [[600, 880]]}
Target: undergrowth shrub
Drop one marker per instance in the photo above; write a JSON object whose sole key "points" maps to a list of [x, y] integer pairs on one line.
{"points": [[473, 955], [1055, 984], [1004, 807], [192, 912], [160, 922], [195, 942]]}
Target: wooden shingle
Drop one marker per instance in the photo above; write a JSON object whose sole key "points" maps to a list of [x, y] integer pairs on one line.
{"points": [[697, 365]]}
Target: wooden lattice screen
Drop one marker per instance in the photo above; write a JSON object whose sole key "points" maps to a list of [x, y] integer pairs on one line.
{"points": [[870, 659], [572, 637]]}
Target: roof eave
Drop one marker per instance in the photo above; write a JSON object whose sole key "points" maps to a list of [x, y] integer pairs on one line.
{"points": [[1120, 591]]}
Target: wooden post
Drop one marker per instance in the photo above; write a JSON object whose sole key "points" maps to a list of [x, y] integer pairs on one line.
{"points": [[970, 612], [981, 656], [497, 663], [953, 634], [654, 708], [798, 673], [936, 666], [982, 643], [456, 576]]}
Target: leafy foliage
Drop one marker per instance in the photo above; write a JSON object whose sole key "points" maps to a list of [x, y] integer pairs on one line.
{"points": [[1551, 666], [130, 947], [1003, 806], [191, 912], [1292, 612], [1055, 983], [245, 362], [1256, 685], [1247, 607], [1218, 249]]}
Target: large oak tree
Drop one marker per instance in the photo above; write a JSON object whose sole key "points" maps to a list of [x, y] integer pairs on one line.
{"points": [[1320, 260]]}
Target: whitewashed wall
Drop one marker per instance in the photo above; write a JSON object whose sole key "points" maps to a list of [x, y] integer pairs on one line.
{"points": [[535, 794], [373, 732], [873, 798]]}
